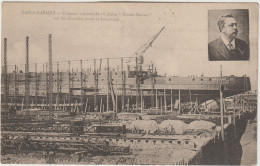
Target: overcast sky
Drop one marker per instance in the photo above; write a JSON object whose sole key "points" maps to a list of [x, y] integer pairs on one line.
{"points": [[181, 49]]}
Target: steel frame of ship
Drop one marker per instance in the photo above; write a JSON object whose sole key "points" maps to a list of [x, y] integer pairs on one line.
{"points": [[169, 89]]}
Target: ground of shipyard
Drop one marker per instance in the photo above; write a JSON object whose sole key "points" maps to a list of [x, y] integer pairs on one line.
{"points": [[247, 148], [249, 144]]}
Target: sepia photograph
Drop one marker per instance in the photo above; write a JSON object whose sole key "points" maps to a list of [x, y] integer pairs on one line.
{"points": [[233, 32], [129, 83]]}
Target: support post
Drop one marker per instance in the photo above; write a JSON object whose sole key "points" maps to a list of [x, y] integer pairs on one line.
{"points": [[36, 85], [171, 100], [190, 99], [156, 99], [96, 86], [81, 87], [234, 118], [100, 105], [179, 101], [152, 89], [27, 80], [123, 85], [137, 84], [165, 102], [108, 85], [42, 104], [6, 85], [128, 105], [243, 102], [161, 105], [221, 113], [116, 100], [50, 77], [16, 86], [142, 101], [248, 100], [22, 104], [58, 86], [86, 106], [69, 79], [47, 85]]}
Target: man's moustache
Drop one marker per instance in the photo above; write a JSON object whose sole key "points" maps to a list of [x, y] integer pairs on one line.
{"points": [[235, 32]]}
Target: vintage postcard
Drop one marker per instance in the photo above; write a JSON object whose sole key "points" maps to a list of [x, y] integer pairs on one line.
{"points": [[129, 83]]}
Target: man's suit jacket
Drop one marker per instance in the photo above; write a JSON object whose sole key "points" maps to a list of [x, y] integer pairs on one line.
{"points": [[219, 52]]}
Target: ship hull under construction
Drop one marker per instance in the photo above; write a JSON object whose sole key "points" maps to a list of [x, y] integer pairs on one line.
{"points": [[117, 90]]}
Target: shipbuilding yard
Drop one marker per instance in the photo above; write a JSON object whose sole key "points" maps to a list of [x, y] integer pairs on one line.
{"points": [[120, 111]]}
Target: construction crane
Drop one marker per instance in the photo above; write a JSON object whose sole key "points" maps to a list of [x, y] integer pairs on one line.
{"points": [[140, 52], [140, 60]]}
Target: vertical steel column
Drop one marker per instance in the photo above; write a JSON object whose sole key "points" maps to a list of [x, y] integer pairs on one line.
{"points": [[85, 97], [125, 94], [96, 86], [6, 85], [171, 100], [36, 85], [58, 86], [116, 107], [137, 84], [221, 113], [16, 86], [221, 106], [156, 99], [47, 85], [50, 76], [142, 108], [179, 101], [69, 79], [108, 84], [112, 93], [140, 75], [81, 87], [27, 81], [234, 117], [123, 85], [152, 89], [190, 99], [243, 98], [165, 102], [161, 105], [248, 100]]}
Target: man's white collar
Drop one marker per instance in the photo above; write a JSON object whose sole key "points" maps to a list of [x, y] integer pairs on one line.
{"points": [[226, 42]]}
